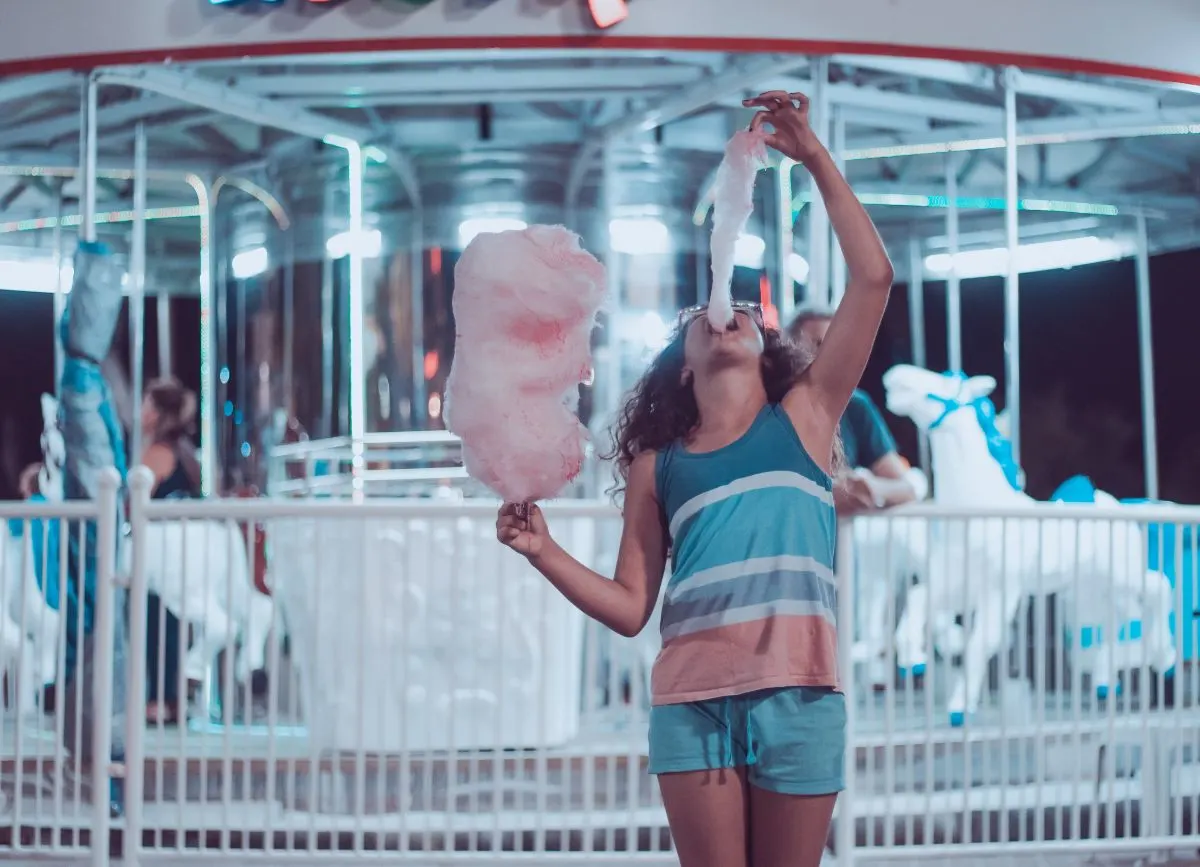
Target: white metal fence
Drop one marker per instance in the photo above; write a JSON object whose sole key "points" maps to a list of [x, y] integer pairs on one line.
{"points": [[412, 690]]}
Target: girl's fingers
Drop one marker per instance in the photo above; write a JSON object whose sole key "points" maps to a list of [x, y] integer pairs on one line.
{"points": [[772, 97], [760, 118]]}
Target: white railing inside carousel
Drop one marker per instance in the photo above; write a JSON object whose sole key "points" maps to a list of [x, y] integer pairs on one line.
{"points": [[392, 464]]}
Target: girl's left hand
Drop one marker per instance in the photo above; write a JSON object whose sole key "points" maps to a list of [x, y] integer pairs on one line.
{"points": [[788, 114]]}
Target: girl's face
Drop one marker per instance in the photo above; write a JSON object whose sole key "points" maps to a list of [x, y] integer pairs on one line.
{"points": [[706, 348], [150, 415]]}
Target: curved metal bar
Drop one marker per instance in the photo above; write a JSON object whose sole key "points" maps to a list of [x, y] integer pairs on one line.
{"points": [[208, 421]]}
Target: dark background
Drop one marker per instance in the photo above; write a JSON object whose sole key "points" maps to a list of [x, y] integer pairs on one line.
{"points": [[1079, 364]]}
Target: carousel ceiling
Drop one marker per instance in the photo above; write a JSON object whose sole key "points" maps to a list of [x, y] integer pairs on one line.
{"points": [[446, 125]]}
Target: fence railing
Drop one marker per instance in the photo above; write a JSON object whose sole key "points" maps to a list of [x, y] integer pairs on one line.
{"points": [[56, 673], [412, 690]]}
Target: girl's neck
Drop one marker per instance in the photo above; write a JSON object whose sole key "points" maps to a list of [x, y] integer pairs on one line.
{"points": [[728, 403]]}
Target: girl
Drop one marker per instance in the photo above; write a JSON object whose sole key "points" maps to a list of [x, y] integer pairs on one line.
{"points": [[168, 419], [725, 449]]}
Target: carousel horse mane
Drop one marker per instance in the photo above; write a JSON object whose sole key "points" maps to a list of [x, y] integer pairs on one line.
{"points": [[54, 451], [931, 399]]}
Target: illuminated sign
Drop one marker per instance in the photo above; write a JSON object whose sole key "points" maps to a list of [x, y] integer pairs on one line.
{"points": [[605, 13], [281, 2]]}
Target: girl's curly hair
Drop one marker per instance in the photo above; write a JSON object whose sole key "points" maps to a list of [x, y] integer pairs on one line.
{"points": [[661, 409]]}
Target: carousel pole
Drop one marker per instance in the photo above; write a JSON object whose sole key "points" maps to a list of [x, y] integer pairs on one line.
{"points": [[953, 291], [162, 310], [357, 303], [208, 338], [916, 326], [1012, 278], [785, 243], [608, 193], [818, 217], [837, 267], [87, 196], [419, 412], [1146, 357], [60, 293], [289, 322], [137, 288]]}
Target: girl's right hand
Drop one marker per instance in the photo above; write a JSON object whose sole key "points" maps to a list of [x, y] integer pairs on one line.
{"points": [[527, 536]]}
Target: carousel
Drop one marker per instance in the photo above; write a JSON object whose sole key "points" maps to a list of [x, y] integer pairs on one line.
{"points": [[285, 189]]}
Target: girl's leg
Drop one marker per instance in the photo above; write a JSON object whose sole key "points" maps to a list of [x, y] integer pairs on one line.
{"points": [[788, 830], [708, 812]]}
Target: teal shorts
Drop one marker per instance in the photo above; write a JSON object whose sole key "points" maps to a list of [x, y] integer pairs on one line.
{"points": [[791, 741]]}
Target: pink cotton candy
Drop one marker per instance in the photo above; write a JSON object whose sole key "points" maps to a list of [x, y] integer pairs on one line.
{"points": [[524, 306], [733, 202]]}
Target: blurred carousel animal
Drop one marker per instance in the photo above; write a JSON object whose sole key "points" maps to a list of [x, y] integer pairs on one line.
{"points": [[29, 580], [28, 623], [54, 452], [984, 569], [889, 550], [201, 571]]}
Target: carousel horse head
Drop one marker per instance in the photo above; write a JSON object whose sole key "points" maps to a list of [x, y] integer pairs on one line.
{"points": [[54, 451], [946, 401]]}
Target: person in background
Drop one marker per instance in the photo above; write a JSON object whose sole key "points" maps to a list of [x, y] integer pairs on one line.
{"points": [[877, 476], [28, 482], [168, 421]]}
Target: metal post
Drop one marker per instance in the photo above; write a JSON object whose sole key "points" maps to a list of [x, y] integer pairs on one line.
{"points": [[1012, 338], [916, 326], [141, 480], [242, 385], [786, 241], [60, 292], [845, 822], [953, 293], [420, 410], [87, 202], [220, 335], [358, 312], [107, 528], [818, 217], [327, 347], [837, 270], [208, 344], [1146, 358], [162, 307], [608, 190], [137, 289], [289, 323]]}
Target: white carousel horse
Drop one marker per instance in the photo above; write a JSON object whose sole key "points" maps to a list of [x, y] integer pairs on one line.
{"points": [[27, 619], [888, 552], [201, 572], [196, 567], [984, 569]]}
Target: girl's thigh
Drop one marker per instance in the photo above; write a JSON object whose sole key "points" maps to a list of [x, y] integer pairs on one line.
{"points": [[708, 815], [788, 830]]}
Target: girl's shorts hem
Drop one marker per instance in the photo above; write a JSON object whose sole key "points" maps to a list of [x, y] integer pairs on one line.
{"points": [[791, 741]]}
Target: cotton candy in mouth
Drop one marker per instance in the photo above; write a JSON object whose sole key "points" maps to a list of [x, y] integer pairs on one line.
{"points": [[733, 203]]}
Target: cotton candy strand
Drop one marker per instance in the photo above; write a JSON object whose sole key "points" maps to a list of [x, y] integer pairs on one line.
{"points": [[733, 203]]}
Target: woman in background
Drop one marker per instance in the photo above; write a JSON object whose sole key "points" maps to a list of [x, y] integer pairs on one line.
{"points": [[168, 422]]}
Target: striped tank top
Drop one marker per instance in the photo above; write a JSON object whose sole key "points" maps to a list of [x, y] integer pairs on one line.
{"points": [[751, 603]]}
